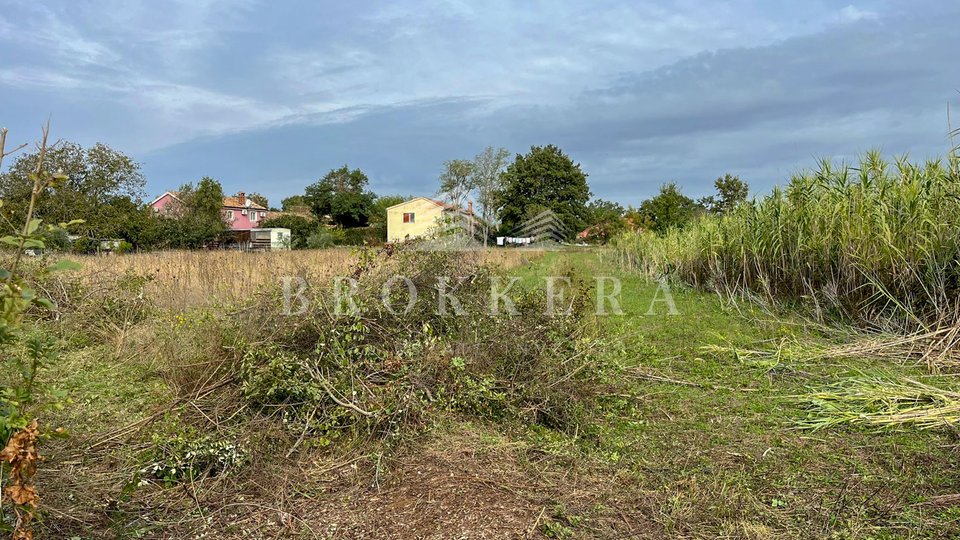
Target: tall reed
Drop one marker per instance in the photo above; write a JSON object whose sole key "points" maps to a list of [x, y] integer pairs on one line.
{"points": [[878, 243]]}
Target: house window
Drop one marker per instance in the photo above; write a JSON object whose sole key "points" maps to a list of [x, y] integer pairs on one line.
{"points": [[244, 211], [263, 215], [229, 214], [408, 217]]}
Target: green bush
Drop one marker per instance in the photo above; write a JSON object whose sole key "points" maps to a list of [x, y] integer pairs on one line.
{"points": [[321, 238], [361, 236], [301, 228]]}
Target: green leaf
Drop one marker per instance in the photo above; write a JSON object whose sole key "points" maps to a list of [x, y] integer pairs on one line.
{"points": [[33, 225], [44, 302], [63, 264], [10, 240]]}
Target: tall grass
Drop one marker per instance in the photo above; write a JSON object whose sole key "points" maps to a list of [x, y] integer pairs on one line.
{"points": [[176, 280], [878, 243]]}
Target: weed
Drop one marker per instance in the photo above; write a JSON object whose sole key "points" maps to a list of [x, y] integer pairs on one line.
{"points": [[187, 458]]}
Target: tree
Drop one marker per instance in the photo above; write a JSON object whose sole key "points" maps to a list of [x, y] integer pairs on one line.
{"points": [[485, 179], [300, 228], [293, 203], [605, 218], [456, 181], [731, 191], [202, 220], [378, 214], [545, 178], [102, 187], [259, 199], [342, 195], [668, 209], [601, 211]]}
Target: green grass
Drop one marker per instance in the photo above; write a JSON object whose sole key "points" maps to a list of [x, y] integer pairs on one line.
{"points": [[701, 442], [718, 449]]}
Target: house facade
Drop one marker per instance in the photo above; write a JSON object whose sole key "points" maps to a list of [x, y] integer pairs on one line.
{"points": [[239, 212], [168, 204], [242, 214], [418, 217]]}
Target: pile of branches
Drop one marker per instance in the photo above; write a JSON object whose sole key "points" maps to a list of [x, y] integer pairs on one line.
{"points": [[387, 367]]}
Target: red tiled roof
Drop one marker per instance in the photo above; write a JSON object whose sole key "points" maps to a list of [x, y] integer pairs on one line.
{"points": [[234, 202]]}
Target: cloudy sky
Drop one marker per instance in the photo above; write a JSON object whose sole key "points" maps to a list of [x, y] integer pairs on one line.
{"points": [[268, 96]]}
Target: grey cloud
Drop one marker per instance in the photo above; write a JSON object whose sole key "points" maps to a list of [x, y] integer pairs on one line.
{"points": [[269, 96], [762, 112]]}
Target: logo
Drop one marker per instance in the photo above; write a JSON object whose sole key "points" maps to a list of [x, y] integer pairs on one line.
{"points": [[542, 231]]}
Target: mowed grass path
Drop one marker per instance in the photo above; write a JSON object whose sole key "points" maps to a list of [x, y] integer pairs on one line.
{"points": [[711, 442]]}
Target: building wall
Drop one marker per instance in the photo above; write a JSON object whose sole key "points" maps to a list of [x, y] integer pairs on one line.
{"points": [[241, 222], [427, 215], [167, 205]]}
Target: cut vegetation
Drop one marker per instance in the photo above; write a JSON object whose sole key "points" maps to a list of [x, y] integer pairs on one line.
{"points": [[229, 421]]}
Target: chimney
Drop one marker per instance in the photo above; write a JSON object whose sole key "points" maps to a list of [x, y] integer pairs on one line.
{"points": [[242, 197], [470, 207]]}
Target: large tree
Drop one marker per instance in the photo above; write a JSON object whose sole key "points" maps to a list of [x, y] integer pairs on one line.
{"points": [[341, 194], [731, 192], [202, 220], [294, 203], [544, 179], [668, 209], [104, 188]]}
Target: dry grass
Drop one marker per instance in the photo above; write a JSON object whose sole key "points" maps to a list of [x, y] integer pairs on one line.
{"points": [[184, 279], [882, 402]]}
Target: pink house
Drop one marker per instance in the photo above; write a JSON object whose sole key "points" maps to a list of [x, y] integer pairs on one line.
{"points": [[239, 212]]}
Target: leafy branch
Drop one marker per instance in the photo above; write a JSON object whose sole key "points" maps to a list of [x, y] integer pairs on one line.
{"points": [[19, 430]]}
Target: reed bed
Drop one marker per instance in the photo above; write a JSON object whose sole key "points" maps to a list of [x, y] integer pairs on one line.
{"points": [[877, 243]]}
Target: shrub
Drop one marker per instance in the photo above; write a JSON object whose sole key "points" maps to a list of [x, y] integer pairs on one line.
{"points": [[320, 239], [361, 236], [301, 228]]}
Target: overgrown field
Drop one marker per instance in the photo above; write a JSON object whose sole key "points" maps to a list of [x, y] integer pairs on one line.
{"points": [[216, 414]]}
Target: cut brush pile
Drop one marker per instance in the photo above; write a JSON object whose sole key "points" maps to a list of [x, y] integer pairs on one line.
{"points": [[385, 369], [882, 403]]}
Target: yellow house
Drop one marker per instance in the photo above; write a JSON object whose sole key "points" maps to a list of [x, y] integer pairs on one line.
{"points": [[416, 218]]}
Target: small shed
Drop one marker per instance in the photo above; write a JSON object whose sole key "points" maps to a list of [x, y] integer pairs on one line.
{"points": [[269, 239]]}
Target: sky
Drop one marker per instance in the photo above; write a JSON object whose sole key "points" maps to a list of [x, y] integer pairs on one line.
{"points": [[269, 96]]}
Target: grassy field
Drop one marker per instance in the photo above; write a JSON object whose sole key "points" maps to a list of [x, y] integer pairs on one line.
{"points": [[693, 436]]}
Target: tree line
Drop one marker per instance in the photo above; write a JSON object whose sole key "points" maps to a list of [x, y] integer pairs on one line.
{"points": [[106, 189]]}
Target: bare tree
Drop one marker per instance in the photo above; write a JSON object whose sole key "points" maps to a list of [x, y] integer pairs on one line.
{"points": [[485, 179]]}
